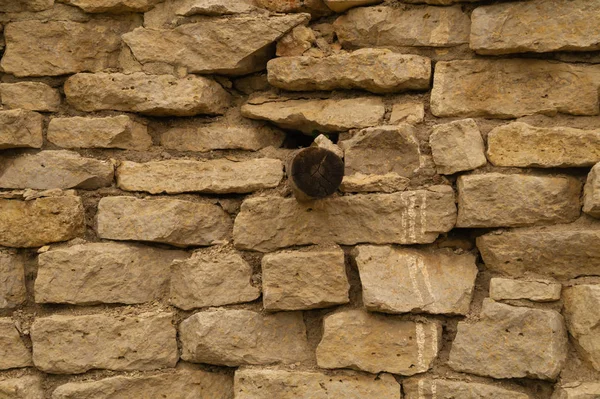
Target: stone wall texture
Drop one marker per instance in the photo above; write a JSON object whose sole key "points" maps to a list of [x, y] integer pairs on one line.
{"points": [[152, 245]]}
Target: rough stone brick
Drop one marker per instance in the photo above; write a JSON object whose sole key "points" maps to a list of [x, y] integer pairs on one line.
{"points": [[457, 146], [374, 343], [113, 6], [316, 8], [25, 5], [214, 7], [55, 169], [344, 5], [296, 42], [26, 224], [439, 282], [33, 96], [20, 128], [522, 145], [75, 344], [282, 384], [304, 279], [577, 390], [421, 388], [110, 132], [267, 223], [169, 221], [387, 183], [237, 337], [534, 290], [374, 70], [496, 200], [582, 311], [591, 192], [13, 352], [160, 95], [103, 273], [12, 280], [219, 176], [211, 277], [26, 387], [511, 342], [473, 88], [411, 112]]}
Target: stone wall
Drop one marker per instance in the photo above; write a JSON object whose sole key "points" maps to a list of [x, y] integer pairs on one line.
{"points": [[151, 247]]}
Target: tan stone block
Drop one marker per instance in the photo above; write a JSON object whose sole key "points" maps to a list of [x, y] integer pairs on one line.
{"points": [[591, 192], [496, 200], [577, 390], [20, 128], [26, 387], [457, 146], [103, 273], [536, 290], [56, 12], [13, 352], [322, 141], [374, 343], [113, 6], [582, 304], [511, 342], [211, 277], [267, 223], [75, 344], [387, 183], [316, 8], [12, 280], [33, 96], [110, 132], [440, 282], [25, 5], [238, 337], [214, 7], [27, 224], [412, 112], [295, 42], [344, 5], [169, 221], [430, 388]]}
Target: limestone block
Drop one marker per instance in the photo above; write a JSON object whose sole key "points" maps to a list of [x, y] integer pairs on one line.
{"points": [[160, 95], [522, 145], [103, 273], [295, 42], [55, 169], [13, 352], [430, 388], [238, 337], [113, 6], [374, 343], [322, 141], [536, 26], [582, 311], [219, 176], [577, 390], [344, 5], [591, 192], [212, 277], [33, 96], [26, 387], [25, 5], [374, 70], [390, 27], [316, 8], [304, 279], [457, 146], [537, 290], [267, 223], [214, 7], [308, 116], [20, 128], [169, 221], [282, 384], [477, 88], [110, 132], [27, 224], [411, 112], [440, 281], [12, 280], [496, 200], [511, 342], [387, 183], [75, 344]]}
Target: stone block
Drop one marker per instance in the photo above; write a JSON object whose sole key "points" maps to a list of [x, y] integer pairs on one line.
{"points": [[457, 147], [577, 390], [534, 290], [25, 387], [431, 388], [12, 280], [582, 311], [344, 5], [113, 6], [13, 353], [20, 128], [411, 112], [32, 96], [387, 183], [591, 192]]}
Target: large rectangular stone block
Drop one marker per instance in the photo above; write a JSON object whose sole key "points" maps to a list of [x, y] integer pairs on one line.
{"points": [[20, 128], [33, 96], [13, 352], [25, 387], [533, 290], [113, 6], [12, 280], [591, 192], [582, 311], [432, 388]]}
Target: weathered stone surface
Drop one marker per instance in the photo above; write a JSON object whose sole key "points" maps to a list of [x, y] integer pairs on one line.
{"points": [[282, 384], [267, 223], [577, 390], [296, 42], [110, 132], [395, 27], [219, 176], [374, 70], [113, 6], [237, 337], [412, 112], [75, 344], [20, 128], [383, 149], [316, 8], [536, 290], [25, 5], [318, 115], [38, 48], [55, 169], [13, 352], [322, 141], [440, 282], [212, 277], [160, 95], [12, 280], [344, 5], [169, 221], [304, 279], [57, 12], [234, 46], [457, 146], [511, 342], [496, 200], [591, 193], [474, 88], [214, 7], [387, 183], [33, 96], [374, 343], [421, 388], [181, 383], [26, 224], [522, 145], [536, 26], [103, 273], [26, 387], [582, 304]]}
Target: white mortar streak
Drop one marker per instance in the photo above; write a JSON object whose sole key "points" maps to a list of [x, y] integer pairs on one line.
{"points": [[420, 332], [403, 218], [425, 273], [420, 389], [433, 389], [434, 340], [423, 214], [412, 271], [412, 220]]}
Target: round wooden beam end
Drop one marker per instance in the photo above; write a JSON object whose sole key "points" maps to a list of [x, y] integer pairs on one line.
{"points": [[317, 172]]}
